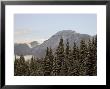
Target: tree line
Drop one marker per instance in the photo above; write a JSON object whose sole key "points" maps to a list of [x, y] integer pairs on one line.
{"points": [[65, 61]]}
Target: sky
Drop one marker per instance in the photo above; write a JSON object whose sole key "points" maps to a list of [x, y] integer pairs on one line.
{"points": [[40, 27]]}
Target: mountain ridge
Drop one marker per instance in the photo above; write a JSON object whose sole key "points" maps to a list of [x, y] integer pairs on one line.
{"points": [[38, 50]]}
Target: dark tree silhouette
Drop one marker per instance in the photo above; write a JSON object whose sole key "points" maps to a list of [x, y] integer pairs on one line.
{"points": [[65, 61]]}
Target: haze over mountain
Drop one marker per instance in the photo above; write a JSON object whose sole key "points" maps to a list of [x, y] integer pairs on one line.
{"points": [[38, 50], [34, 44], [21, 49]]}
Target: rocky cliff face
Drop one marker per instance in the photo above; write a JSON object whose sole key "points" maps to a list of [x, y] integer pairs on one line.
{"points": [[38, 50]]}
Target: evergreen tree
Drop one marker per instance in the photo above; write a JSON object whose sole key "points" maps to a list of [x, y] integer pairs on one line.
{"points": [[22, 59], [33, 66], [95, 56], [75, 60], [67, 48], [80, 60], [16, 65], [94, 61], [21, 66], [47, 64], [65, 63], [90, 58], [75, 52], [27, 71], [54, 68], [51, 57], [60, 56], [83, 58], [39, 67]]}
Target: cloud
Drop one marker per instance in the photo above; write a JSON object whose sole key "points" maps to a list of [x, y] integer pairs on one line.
{"points": [[41, 40], [22, 31], [26, 35]]}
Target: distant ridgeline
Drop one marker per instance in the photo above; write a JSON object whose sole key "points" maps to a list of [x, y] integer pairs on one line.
{"points": [[39, 50], [65, 60]]}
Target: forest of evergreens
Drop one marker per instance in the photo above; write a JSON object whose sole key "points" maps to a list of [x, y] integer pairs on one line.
{"points": [[76, 61]]}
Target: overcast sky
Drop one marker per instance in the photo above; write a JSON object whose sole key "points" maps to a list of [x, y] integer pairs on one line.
{"points": [[39, 27]]}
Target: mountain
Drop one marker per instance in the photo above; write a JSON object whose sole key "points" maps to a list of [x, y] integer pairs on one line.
{"points": [[22, 49], [53, 41], [34, 44]]}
